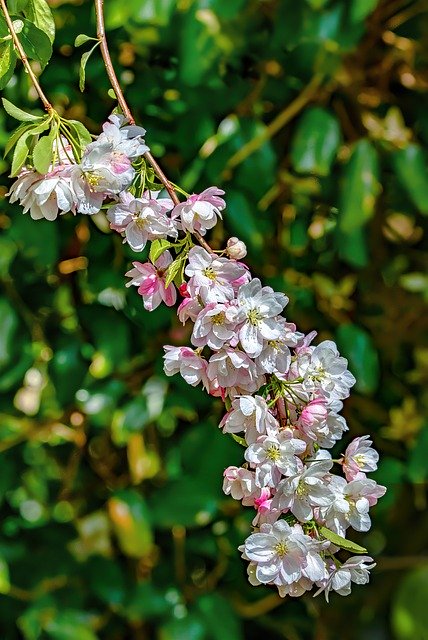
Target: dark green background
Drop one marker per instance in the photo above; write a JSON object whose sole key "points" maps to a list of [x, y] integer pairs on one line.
{"points": [[113, 522]]}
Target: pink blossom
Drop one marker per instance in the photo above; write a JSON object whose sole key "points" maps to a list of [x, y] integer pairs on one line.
{"points": [[233, 370], [359, 458], [200, 212], [214, 326], [239, 483], [150, 280], [187, 362], [211, 277]]}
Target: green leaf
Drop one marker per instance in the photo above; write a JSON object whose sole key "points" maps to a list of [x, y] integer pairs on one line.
{"points": [[360, 9], [175, 268], [239, 440], [36, 42], [20, 154], [82, 38], [315, 142], [43, 151], [157, 248], [15, 137], [185, 502], [411, 170], [360, 187], [4, 577], [417, 469], [16, 6], [357, 345], [81, 132], [188, 628], [82, 70], [341, 542], [409, 606], [39, 12], [7, 62], [131, 522], [8, 327], [214, 607], [18, 113], [69, 625]]}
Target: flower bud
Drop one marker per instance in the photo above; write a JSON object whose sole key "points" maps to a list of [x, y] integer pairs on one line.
{"points": [[236, 249]]}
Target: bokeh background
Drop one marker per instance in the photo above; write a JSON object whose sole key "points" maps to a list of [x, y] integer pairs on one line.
{"points": [[312, 115]]}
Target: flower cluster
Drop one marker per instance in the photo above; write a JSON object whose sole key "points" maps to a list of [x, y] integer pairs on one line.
{"points": [[105, 170], [283, 395]]}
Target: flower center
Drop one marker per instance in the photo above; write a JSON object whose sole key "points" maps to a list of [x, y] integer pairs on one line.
{"points": [[318, 375], [218, 318], [281, 548], [274, 344], [93, 179], [209, 273], [273, 453], [141, 223], [359, 459], [302, 490], [254, 317]]}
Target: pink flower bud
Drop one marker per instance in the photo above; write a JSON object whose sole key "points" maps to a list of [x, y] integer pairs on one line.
{"points": [[236, 249]]}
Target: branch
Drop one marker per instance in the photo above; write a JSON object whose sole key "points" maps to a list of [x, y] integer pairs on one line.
{"points": [[278, 123], [24, 59], [101, 34]]}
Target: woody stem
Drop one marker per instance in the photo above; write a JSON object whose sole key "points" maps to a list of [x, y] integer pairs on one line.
{"points": [[24, 59], [99, 6]]}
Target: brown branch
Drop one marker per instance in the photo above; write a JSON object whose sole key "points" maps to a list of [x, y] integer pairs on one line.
{"points": [[127, 111], [24, 59]]}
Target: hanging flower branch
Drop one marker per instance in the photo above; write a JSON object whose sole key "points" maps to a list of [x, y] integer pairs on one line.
{"points": [[283, 395]]}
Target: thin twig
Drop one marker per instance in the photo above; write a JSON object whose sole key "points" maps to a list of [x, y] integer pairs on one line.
{"points": [[290, 111], [24, 59], [99, 6]]}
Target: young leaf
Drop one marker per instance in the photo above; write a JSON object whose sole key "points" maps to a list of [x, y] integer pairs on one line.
{"points": [[173, 270], [18, 113], [239, 440], [7, 62], [42, 152], [39, 12], [81, 131], [341, 542], [15, 137], [157, 248], [82, 71], [16, 6], [35, 42], [81, 39], [20, 154]]}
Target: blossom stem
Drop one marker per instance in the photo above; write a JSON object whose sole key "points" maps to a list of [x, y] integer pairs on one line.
{"points": [[18, 46], [101, 34]]}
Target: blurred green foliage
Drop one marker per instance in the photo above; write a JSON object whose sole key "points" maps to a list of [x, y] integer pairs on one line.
{"points": [[312, 115]]}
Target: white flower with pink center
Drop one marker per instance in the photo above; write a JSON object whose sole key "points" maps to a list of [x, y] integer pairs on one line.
{"points": [[211, 277], [214, 326], [355, 569], [44, 196], [256, 312], [303, 492], [141, 220], [279, 552], [191, 366], [359, 458], [274, 456], [351, 503], [200, 212], [251, 415], [150, 280], [232, 370], [240, 484], [325, 370]]}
